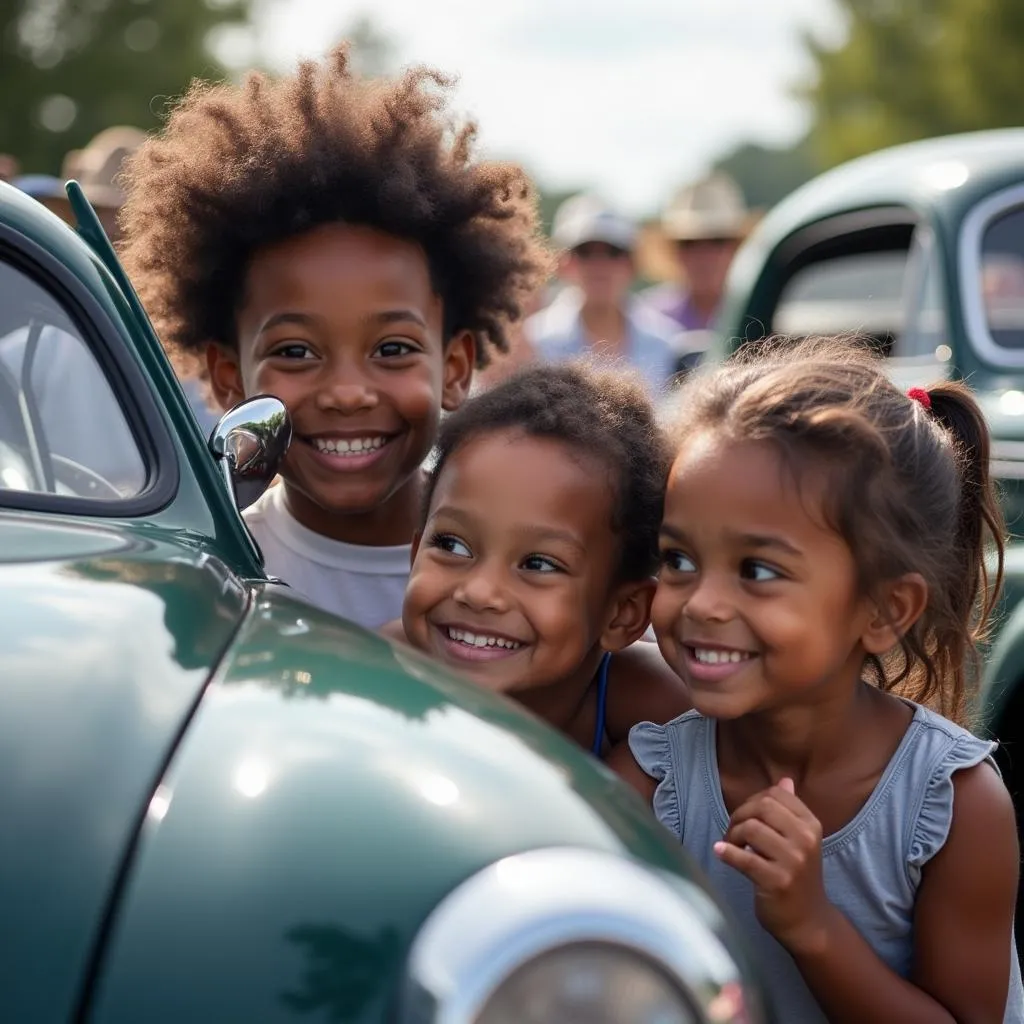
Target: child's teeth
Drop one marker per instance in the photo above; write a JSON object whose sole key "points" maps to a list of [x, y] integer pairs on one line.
{"points": [[481, 639], [341, 446], [707, 657]]}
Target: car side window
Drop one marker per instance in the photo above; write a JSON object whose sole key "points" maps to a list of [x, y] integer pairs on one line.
{"points": [[883, 282], [1002, 278], [62, 429], [860, 293]]}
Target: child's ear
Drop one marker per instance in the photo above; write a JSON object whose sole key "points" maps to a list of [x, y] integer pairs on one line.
{"points": [[225, 375], [630, 614], [905, 601], [459, 360]]}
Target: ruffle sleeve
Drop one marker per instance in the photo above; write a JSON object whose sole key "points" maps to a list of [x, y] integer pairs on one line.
{"points": [[931, 828], [651, 746]]}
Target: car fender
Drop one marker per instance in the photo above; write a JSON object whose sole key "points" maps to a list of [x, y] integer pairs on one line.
{"points": [[330, 791]]}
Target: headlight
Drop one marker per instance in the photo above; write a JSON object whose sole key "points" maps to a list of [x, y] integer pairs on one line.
{"points": [[566, 936]]}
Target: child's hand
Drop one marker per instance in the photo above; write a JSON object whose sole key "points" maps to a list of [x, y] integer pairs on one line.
{"points": [[775, 841]]}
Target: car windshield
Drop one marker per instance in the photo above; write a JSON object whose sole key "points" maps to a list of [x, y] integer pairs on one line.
{"points": [[1002, 279], [62, 430]]}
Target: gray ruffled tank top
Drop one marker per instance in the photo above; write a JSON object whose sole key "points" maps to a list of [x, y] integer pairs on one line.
{"points": [[871, 867]]}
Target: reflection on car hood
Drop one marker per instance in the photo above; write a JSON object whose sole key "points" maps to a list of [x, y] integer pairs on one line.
{"points": [[108, 639]]}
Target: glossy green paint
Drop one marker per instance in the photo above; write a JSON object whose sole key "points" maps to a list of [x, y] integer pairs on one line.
{"points": [[202, 507], [106, 643], [224, 804], [913, 177], [330, 791]]}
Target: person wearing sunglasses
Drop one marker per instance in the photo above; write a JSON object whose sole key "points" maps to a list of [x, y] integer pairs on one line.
{"points": [[595, 314]]}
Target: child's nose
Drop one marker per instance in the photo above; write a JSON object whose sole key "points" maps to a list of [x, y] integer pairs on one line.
{"points": [[710, 599], [346, 397], [482, 590]]}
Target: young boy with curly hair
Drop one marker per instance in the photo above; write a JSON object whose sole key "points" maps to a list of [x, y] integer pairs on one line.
{"points": [[331, 240]]}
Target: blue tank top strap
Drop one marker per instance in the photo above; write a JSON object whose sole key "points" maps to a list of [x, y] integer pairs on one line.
{"points": [[602, 698]]}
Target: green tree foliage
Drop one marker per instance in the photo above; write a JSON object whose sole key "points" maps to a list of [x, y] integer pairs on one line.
{"points": [[70, 68], [767, 174], [911, 69]]}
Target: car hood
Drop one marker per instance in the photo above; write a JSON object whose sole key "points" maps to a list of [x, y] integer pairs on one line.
{"points": [[109, 635], [331, 790]]}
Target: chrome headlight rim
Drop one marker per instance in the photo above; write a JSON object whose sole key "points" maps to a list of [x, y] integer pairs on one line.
{"points": [[516, 910]]}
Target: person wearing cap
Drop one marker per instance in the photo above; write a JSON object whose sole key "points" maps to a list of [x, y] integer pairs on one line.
{"points": [[705, 222], [595, 313]]}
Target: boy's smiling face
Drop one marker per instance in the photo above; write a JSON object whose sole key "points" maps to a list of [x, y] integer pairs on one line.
{"points": [[342, 323]]}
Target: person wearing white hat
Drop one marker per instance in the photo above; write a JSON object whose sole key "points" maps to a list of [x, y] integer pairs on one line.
{"points": [[595, 313], [705, 222]]}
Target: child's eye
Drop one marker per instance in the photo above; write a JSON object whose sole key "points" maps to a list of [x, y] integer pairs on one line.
{"points": [[293, 350], [677, 561], [540, 563], [451, 544], [759, 572], [395, 348]]}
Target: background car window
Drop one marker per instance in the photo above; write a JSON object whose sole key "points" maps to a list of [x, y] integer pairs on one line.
{"points": [[924, 333], [62, 430], [1002, 278], [861, 292]]}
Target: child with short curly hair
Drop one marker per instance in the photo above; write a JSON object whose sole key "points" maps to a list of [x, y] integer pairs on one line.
{"points": [[331, 240], [534, 570]]}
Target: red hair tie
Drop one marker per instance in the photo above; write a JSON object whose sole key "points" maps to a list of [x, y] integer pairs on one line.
{"points": [[920, 395]]}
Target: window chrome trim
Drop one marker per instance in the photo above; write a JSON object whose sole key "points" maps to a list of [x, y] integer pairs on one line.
{"points": [[128, 383], [525, 905], [972, 231]]}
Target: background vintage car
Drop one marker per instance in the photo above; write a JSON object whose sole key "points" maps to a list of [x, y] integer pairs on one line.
{"points": [[220, 804], [920, 247]]}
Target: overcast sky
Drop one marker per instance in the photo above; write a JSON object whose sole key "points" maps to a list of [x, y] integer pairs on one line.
{"points": [[629, 97]]}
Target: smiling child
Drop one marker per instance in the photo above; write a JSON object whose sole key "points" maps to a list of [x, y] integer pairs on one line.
{"points": [[328, 240], [534, 572], [826, 549]]}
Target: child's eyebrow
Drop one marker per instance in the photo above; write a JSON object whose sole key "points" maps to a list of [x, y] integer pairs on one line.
{"points": [[747, 540], [393, 316], [532, 534], [671, 533], [303, 319], [540, 534], [759, 540]]}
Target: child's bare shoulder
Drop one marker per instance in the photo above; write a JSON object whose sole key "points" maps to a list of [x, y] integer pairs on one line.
{"points": [[642, 688]]}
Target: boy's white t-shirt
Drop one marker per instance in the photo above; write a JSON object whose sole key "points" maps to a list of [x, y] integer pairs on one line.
{"points": [[360, 583]]}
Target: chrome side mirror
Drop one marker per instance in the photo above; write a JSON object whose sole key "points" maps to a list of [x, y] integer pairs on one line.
{"points": [[249, 443]]}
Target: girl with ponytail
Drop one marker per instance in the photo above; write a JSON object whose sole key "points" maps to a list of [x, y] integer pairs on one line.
{"points": [[822, 594]]}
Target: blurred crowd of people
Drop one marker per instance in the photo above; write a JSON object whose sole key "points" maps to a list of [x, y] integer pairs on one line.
{"points": [[644, 295]]}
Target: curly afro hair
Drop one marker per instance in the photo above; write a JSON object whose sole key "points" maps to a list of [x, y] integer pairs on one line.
{"points": [[602, 413], [237, 168]]}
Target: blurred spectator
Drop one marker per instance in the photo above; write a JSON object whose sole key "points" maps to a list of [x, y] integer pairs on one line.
{"points": [[520, 351], [8, 167], [42, 187], [96, 168], [705, 224], [596, 313]]}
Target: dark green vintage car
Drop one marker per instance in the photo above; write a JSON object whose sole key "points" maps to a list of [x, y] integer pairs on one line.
{"points": [[221, 805], [920, 247]]}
